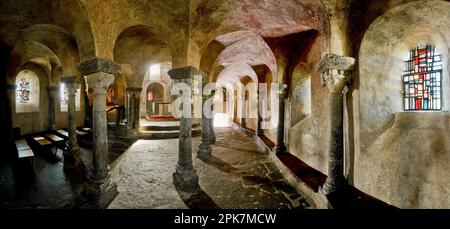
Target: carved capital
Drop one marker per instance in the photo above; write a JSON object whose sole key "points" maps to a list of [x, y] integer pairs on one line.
{"points": [[334, 71], [97, 64], [99, 82], [184, 73], [52, 90], [71, 80], [133, 91], [282, 90]]}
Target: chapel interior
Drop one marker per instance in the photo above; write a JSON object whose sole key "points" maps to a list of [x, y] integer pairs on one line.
{"points": [[316, 104]]}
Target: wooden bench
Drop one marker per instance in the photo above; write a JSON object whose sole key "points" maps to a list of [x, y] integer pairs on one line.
{"points": [[24, 151], [63, 133], [43, 145], [81, 133], [58, 141]]}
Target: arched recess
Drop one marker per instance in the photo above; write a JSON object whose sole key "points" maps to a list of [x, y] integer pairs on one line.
{"points": [[400, 156], [137, 49], [155, 95], [31, 117], [27, 92]]}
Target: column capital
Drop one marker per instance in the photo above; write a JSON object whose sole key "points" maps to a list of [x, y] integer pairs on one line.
{"points": [[52, 89], [133, 89], [98, 64], [99, 82], [71, 80], [184, 73], [334, 71], [282, 90]]}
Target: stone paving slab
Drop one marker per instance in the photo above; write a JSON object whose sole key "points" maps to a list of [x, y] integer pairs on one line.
{"points": [[239, 176]]}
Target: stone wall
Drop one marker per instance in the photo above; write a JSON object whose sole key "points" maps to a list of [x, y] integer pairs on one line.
{"points": [[401, 157]]}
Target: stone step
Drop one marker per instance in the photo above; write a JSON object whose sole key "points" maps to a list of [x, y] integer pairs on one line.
{"points": [[167, 133], [165, 128]]}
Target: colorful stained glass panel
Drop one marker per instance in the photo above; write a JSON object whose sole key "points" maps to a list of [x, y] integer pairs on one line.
{"points": [[422, 79]]}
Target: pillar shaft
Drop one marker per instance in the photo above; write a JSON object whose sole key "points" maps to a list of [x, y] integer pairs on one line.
{"points": [[244, 111], [335, 177], [72, 156], [280, 146], [133, 107], [137, 114], [259, 120], [129, 111], [185, 176], [100, 160], [52, 93], [204, 149], [212, 135]]}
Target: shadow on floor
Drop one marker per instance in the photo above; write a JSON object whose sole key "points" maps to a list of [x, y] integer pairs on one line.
{"points": [[197, 200], [352, 198], [224, 166]]}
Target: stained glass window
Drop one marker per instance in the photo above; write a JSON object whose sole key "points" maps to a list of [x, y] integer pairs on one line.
{"points": [[422, 79], [23, 91]]}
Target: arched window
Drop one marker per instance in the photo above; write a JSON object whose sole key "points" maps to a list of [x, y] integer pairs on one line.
{"points": [[27, 92], [422, 80]]}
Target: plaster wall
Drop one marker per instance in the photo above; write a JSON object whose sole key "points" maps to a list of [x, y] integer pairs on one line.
{"points": [[401, 157]]}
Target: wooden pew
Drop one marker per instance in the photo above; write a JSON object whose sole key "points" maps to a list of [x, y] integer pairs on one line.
{"points": [[25, 154], [58, 141], [63, 133], [43, 145]]}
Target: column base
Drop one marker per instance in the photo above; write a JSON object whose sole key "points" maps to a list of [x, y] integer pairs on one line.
{"points": [[73, 165], [97, 177], [204, 152], [333, 185], [212, 140], [100, 195], [280, 149], [259, 132], [186, 179]]}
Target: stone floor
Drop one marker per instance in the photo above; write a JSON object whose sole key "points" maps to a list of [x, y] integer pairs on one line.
{"points": [[238, 176], [40, 186]]}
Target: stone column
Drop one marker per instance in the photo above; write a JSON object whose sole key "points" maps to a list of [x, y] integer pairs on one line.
{"points": [[259, 130], [72, 156], [281, 146], [137, 107], [212, 135], [133, 109], [204, 149], [185, 177], [52, 93], [334, 71], [244, 111], [129, 110], [99, 74]]}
